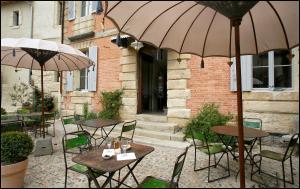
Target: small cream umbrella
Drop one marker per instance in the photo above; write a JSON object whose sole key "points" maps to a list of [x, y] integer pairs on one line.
{"points": [[37, 54], [204, 28]]}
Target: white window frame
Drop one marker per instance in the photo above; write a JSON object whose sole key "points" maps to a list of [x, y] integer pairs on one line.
{"points": [[271, 82], [88, 8]]}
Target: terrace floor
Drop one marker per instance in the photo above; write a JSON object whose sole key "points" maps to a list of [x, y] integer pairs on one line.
{"points": [[49, 171]]}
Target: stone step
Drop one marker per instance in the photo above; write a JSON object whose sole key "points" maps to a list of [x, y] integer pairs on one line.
{"points": [[157, 126], [152, 118], [168, 136], [158, 142]]}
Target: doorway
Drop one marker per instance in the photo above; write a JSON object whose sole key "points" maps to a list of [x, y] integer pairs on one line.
{"points": [[152, 80]]}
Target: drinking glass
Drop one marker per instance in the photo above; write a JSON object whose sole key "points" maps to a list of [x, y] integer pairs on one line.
{"points": [[108, 142], [124, 146]]}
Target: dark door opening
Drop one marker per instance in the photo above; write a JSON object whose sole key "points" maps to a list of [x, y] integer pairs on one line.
{"points": [[152, 80]]}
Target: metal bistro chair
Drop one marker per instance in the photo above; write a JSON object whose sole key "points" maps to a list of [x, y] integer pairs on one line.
{"points": [[127, 127], [209, 149], [152, 182], [70, 119], [255, 123], [278, 157], [78, 140]]}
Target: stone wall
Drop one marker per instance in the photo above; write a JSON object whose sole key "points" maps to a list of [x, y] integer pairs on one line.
{"points": [[178, 91]]}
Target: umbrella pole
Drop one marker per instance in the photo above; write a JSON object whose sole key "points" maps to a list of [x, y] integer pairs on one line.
{"points": [[236, 24], [42, 88]]}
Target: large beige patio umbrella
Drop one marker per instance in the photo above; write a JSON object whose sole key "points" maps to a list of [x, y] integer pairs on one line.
{"points": [[204, 28], [37, 54]]}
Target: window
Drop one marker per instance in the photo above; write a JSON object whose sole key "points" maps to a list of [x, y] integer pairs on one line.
{"points": [[16, 17], [86, 8], [272, 70], [83, 78]]}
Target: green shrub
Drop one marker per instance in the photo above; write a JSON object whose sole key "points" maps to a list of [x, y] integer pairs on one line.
{"points": [[3, 111], [111, 103], [15, 147], [37, 101], [91, 115], [208, 117], [23, 111]]}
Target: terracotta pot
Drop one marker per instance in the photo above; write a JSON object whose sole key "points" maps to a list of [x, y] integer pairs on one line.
{"points": [[12, 176]]}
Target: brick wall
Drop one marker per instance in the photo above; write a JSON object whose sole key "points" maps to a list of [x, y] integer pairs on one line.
{"points": [[210, 84]]}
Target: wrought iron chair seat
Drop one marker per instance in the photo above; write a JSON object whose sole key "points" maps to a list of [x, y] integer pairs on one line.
{"points": [[152, 182], [213, 149], [84, 170]]}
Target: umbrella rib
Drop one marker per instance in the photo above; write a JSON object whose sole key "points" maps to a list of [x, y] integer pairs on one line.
{"points": [[20, 59], [66, 64], [212, 20], [190, 29], [157, 18], [254, 32], [56, 64], [112, 8], [79, 59], [282, 26], [6, 55], [175, 23], [71, 61], [32, 63], [134, 14]]}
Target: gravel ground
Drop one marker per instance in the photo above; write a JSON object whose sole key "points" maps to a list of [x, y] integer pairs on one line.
{"points": [[49, 171]]}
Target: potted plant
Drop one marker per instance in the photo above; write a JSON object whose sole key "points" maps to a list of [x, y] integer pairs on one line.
{"points": [[15, 148]]}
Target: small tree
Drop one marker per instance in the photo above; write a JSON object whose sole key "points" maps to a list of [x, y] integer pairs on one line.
{"points": [[111, 103], [20, 94]]}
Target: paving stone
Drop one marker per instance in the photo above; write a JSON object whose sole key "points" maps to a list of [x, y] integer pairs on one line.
{"points": [[49, 171]]}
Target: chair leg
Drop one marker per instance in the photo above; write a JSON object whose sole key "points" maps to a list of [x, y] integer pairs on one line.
{"points": [[228, 164], [283, 174], [195, 156], [215, 160], [66, 176], [89, 181], [208, 168], [291, 165], [119, 175]]}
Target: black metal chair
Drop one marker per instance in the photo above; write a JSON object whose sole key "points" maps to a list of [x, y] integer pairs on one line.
{"points": [[210, 149], [128, 128], [75, 143], [282, 157], [152, 182]]}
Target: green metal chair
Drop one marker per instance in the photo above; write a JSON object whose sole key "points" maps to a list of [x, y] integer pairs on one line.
{"points": [[70, 119], [152, 182], [209, 149], [128, 128], [254, 123], [282, 157], [71, 143]]}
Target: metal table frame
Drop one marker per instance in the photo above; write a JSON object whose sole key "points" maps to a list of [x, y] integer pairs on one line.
{"points": [[97, 124], [126, 163], [247, 133]]}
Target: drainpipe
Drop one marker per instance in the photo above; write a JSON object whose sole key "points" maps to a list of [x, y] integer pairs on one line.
{"points": [[62, 39]]}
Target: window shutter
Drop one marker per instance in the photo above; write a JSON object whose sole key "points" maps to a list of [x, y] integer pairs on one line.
{"points": [[20, 17], [92, 74], [71, 10], [233, 75], [69, 81], [246, 73]]}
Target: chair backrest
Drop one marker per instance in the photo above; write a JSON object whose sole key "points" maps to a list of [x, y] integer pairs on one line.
{"points": [[129, 126], [50, 117], [255, 123], [201, 135], [23, 111], [13, 125], [291, 146], [178, 168], [75, 140], [69, 119]]}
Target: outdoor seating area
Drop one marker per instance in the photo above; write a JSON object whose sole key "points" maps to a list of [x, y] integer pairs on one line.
{"points": [[150, 94], [159, 164]]}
